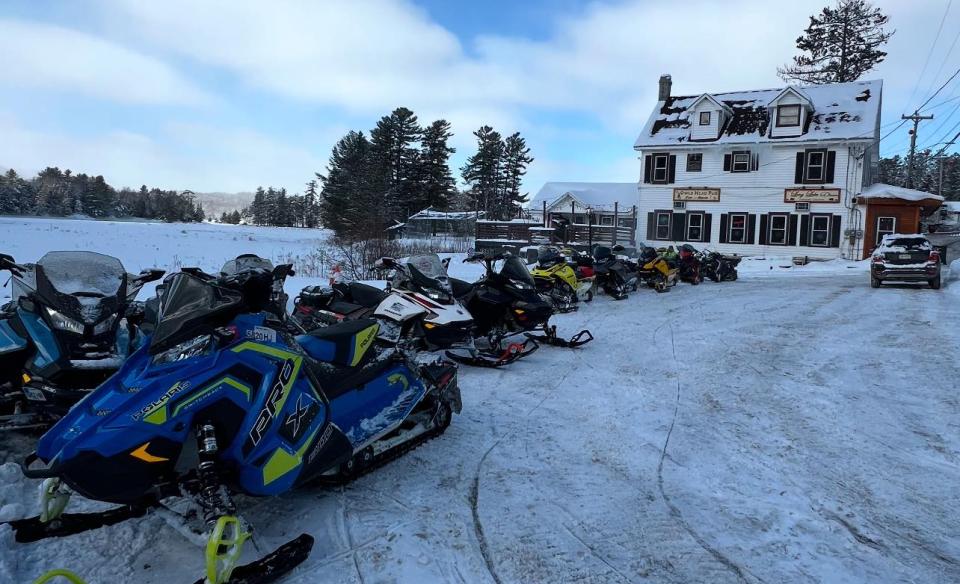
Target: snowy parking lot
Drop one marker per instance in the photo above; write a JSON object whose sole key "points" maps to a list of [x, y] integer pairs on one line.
{"points": [[790, 428]]}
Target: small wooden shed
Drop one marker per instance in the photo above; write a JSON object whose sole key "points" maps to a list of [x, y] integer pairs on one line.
{"points": [[891, 209]]}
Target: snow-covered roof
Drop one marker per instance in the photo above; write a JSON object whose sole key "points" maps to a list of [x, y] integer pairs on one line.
{"points": [[592, 194], [430, 213], [885, 191], [841, 111]]}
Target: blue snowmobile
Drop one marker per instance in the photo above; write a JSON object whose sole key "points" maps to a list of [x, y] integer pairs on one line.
{"points": [[225, 398], [72, 321]]}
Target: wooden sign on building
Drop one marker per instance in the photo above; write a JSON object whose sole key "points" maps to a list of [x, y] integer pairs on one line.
{"points": [[698, 195], [811, 195]]}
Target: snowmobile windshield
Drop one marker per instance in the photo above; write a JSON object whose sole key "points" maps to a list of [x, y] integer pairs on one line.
{"points": [[549, 257], [83, 272], [246, 263], [80, 285], [427, 272], [189, 307], [514, 269]]}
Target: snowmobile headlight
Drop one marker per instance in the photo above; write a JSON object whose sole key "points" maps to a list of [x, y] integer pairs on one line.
{"points": [[192, 348], [104, 325], [521, 285], [63, 322]]}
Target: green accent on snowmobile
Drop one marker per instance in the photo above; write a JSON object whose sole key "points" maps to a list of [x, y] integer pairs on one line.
{"points": [[276, 354], [362, 341], [228, 381], [281, 462], [73, 578], [223, 548], [399, 378]]}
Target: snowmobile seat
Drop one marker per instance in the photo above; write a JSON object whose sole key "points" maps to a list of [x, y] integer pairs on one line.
{"points": [[461, 288], [346, 344], [362, 294]]}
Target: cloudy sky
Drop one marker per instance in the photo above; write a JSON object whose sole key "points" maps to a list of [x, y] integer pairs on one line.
{"points": [[227, 95]]}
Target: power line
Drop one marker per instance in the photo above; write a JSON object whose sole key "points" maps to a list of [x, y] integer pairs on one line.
{"points": [[947, 56], [937, 92], [926, 62]]}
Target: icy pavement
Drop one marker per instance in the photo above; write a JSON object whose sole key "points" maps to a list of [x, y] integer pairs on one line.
{"points": [[775, 429]]}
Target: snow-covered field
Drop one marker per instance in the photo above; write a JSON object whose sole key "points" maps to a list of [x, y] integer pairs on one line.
{"points": [[793, 426]]}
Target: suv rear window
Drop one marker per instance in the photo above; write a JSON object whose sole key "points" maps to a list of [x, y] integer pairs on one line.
{"points": [[908, 243]]}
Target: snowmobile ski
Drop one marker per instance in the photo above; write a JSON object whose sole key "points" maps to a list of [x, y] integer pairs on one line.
{"points": [[513, 352], [33, 529], [550, 338], [273, 566]]}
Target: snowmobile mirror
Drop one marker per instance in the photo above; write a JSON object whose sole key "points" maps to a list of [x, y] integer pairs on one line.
{"points": [[385, 263], [150, 275]]}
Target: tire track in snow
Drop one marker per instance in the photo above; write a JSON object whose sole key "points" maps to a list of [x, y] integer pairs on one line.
{"points": [[474, 495], [738, 570]]}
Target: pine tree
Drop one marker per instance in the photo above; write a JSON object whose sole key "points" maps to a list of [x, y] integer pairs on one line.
{"points": [[841, 44], [438, 187], [350, 202], [258, 208], [396, 161], [482, 173], [310, 211], [516, 158]]}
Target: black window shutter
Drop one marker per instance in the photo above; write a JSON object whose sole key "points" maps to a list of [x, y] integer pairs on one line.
{"points": [[726, 162], [835, 231], [651, 224], [706, 228], [763, 230], [679, 226], [755, 161], [831, 163], [751, 229], [792, 240], [723, 228], [647, 167], [672, 169], [798, 174], [804, 230]]}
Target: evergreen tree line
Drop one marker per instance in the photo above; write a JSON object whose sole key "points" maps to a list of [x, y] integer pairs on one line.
{"points": [[374, 182], [273, 207], [926, 173], [60, 193]]}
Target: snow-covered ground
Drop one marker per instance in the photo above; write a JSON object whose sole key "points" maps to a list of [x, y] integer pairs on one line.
{"points": [[774, 429]]}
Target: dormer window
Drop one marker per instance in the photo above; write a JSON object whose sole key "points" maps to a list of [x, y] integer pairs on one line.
{"points": [[788, 116], [704, 118]]}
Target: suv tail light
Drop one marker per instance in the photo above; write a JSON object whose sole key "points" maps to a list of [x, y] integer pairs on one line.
{"points": [[934, 257]]}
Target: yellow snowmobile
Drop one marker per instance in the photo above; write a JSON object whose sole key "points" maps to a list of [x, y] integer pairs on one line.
{"points": [[565, 283], [656, 270]]}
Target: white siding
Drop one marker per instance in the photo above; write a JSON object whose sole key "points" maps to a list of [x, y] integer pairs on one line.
{"points": [[757, 192], [710, 131], [787, 99]]}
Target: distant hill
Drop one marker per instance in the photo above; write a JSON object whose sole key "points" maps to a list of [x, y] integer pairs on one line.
{"points": [[215, 204]]}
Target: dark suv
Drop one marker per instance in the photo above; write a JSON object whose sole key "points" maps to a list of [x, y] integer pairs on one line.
{"points": [[905, 258]]}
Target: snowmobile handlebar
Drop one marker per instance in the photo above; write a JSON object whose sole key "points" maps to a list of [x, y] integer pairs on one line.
{"points": [[7, 263]]}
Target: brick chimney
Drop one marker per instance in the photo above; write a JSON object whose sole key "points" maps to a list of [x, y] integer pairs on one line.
{"points": [[666, 83]]}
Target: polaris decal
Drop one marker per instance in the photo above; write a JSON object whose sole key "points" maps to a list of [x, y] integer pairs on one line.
{"points": [[324, 438], [162, 401], [275, 398]]}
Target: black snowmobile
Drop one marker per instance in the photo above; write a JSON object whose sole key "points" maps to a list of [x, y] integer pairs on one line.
{"points": [[506, 304], [613, 274], [72, 321], [719, 267]]}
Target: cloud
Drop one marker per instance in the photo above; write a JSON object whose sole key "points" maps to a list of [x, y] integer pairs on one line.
{"points": [[200, 157], [58, 59]]}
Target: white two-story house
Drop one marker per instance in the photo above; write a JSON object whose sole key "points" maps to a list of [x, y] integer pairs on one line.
{"points": [[774, 171]]}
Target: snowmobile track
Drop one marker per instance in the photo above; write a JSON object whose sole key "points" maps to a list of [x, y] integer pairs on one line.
{"points": [[738, 570]]}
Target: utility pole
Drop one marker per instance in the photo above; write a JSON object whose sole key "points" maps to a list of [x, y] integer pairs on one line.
{"points": [[915, 118]]}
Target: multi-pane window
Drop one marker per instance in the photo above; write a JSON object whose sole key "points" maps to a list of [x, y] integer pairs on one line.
{"points": [[694, 162], [704, 118], [606, 220], [820, 230], [778, 230], [738, 228], [694, 226], [816, 165], [788, 115], [885, 226], [663, 226], [741, 162], [660, 163]]}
